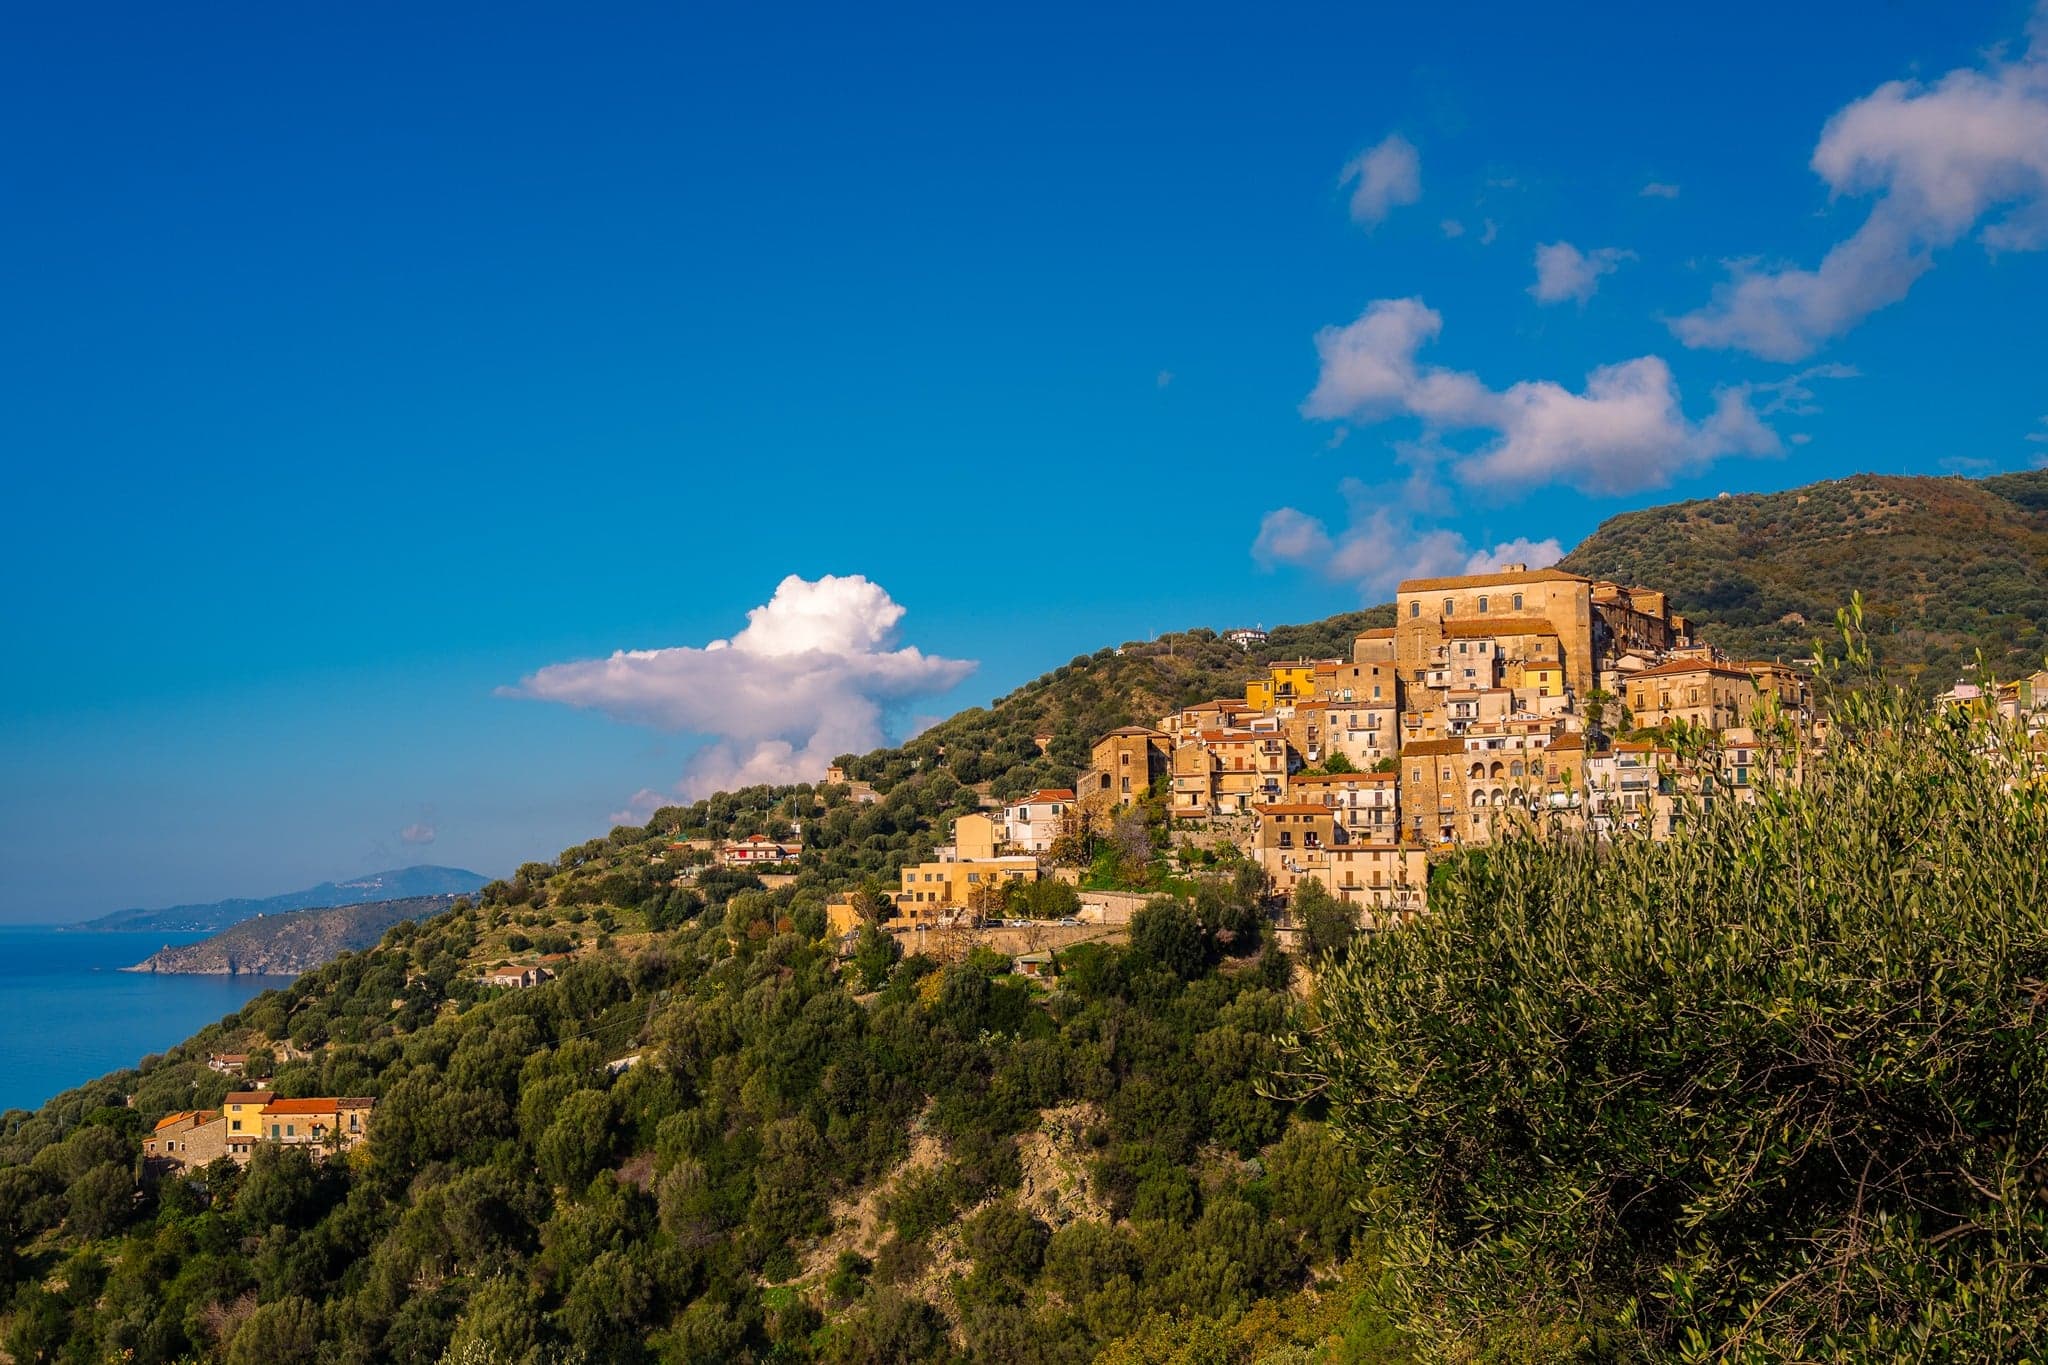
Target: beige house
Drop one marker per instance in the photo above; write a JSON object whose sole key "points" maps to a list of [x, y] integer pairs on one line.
{"points": [[1389, 882], [1123, 766], [1710, 695], [1365, 804]]}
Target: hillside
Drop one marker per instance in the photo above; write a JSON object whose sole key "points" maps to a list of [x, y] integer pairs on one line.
{"points": [[294, 942], [1946, 566], [897, 1159], [396, 884]]}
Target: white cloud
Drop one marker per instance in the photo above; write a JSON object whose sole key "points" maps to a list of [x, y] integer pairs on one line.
{"points": [[1659, 189], [1492, 231], [420, 832], [2040, 437], [1387, 537], [1565, 272], [1164, 378], [1452, 227], [1388, 175], [1940, 159], [1533, 554], [810, 678], [1625, 432]]}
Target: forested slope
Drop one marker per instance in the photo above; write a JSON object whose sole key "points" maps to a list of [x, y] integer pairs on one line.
{"points": [[1946, 566]]}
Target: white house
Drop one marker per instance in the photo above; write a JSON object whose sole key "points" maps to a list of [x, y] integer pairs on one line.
{"points": [[1031, 824]]}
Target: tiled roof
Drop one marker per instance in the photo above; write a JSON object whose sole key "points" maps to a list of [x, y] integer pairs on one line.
{"points": [[1490, 580], [1426, 747], [249, 1097], [287, 1107], [1680, 667], [1506, 625]]}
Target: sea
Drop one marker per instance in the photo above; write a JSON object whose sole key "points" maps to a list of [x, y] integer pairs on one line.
{"points": [[69, 1013]]}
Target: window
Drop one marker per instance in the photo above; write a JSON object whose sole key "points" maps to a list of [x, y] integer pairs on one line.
{"points": [[1482, 605], [1286, 839], [1414, 609], [1518, 601], [1449, 606]]}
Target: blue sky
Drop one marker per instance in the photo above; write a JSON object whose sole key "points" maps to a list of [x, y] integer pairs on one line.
{"points": [[365, 364]]}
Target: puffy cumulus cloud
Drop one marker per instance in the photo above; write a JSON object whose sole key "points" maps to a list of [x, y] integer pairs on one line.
{"points": [[1626, 431], [811, 677], [419, 832], [1387, 176], [1532, 554], [1939, 160], [1565, 272], [1387, 537]]}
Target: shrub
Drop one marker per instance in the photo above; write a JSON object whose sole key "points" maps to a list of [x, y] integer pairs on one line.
{"points": [[1768, 1090]]}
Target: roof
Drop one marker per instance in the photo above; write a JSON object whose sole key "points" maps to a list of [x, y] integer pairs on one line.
{"points": [[1680, 667], [317, 1106], [1377, 633], [1293, 808], [1506, 625], [1426, 747], [249, 1097], [1144, 730], [1048, 794], [1571, 741], [1490, 580], [180, 1117], [1299, 778]]}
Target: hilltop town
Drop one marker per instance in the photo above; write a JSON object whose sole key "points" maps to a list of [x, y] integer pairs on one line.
{"points": [[1530, 697]]}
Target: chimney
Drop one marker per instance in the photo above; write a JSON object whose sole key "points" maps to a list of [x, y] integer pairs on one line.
{"points": [[1514, 568]]}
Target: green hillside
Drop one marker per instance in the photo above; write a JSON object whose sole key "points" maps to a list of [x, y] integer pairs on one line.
{"points": [[896, 1159], [1946, 566]]}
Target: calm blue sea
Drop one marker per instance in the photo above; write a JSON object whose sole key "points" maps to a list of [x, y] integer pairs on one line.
{"points": [[68, 1014]]}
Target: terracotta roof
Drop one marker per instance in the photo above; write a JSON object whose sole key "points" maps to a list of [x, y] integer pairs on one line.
{"points": [[1679, 667], [1426, 747], [1293, 808], [1339, 777], [287, 1107], [1506, 625], [168, 1119], [1048, 794], [249, 1097], [1377, 633], [1490, 580], [1134, 730]]}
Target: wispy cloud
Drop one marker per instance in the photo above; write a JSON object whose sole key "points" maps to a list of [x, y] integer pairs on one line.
{"points": [[1387, 175], [1624, 432], [1940, 159], [1794, 393], [1659, 189], [1452, 227], [811, 677], [1565, 272], [420, 832]]}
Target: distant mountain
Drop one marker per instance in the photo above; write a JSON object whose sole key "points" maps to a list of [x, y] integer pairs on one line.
{"points": [[1946, 566], [397, 884], [293, 942]]}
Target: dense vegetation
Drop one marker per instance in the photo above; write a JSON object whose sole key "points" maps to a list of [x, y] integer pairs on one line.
{"points": [[1770, 1091], [1044, 1175], [1774, 1090], [1947, 566]]}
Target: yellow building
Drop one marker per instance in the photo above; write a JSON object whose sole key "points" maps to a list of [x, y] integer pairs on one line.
{"points": [[243, 1110], [1283, 685], [930, 889], [974, 837]]}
